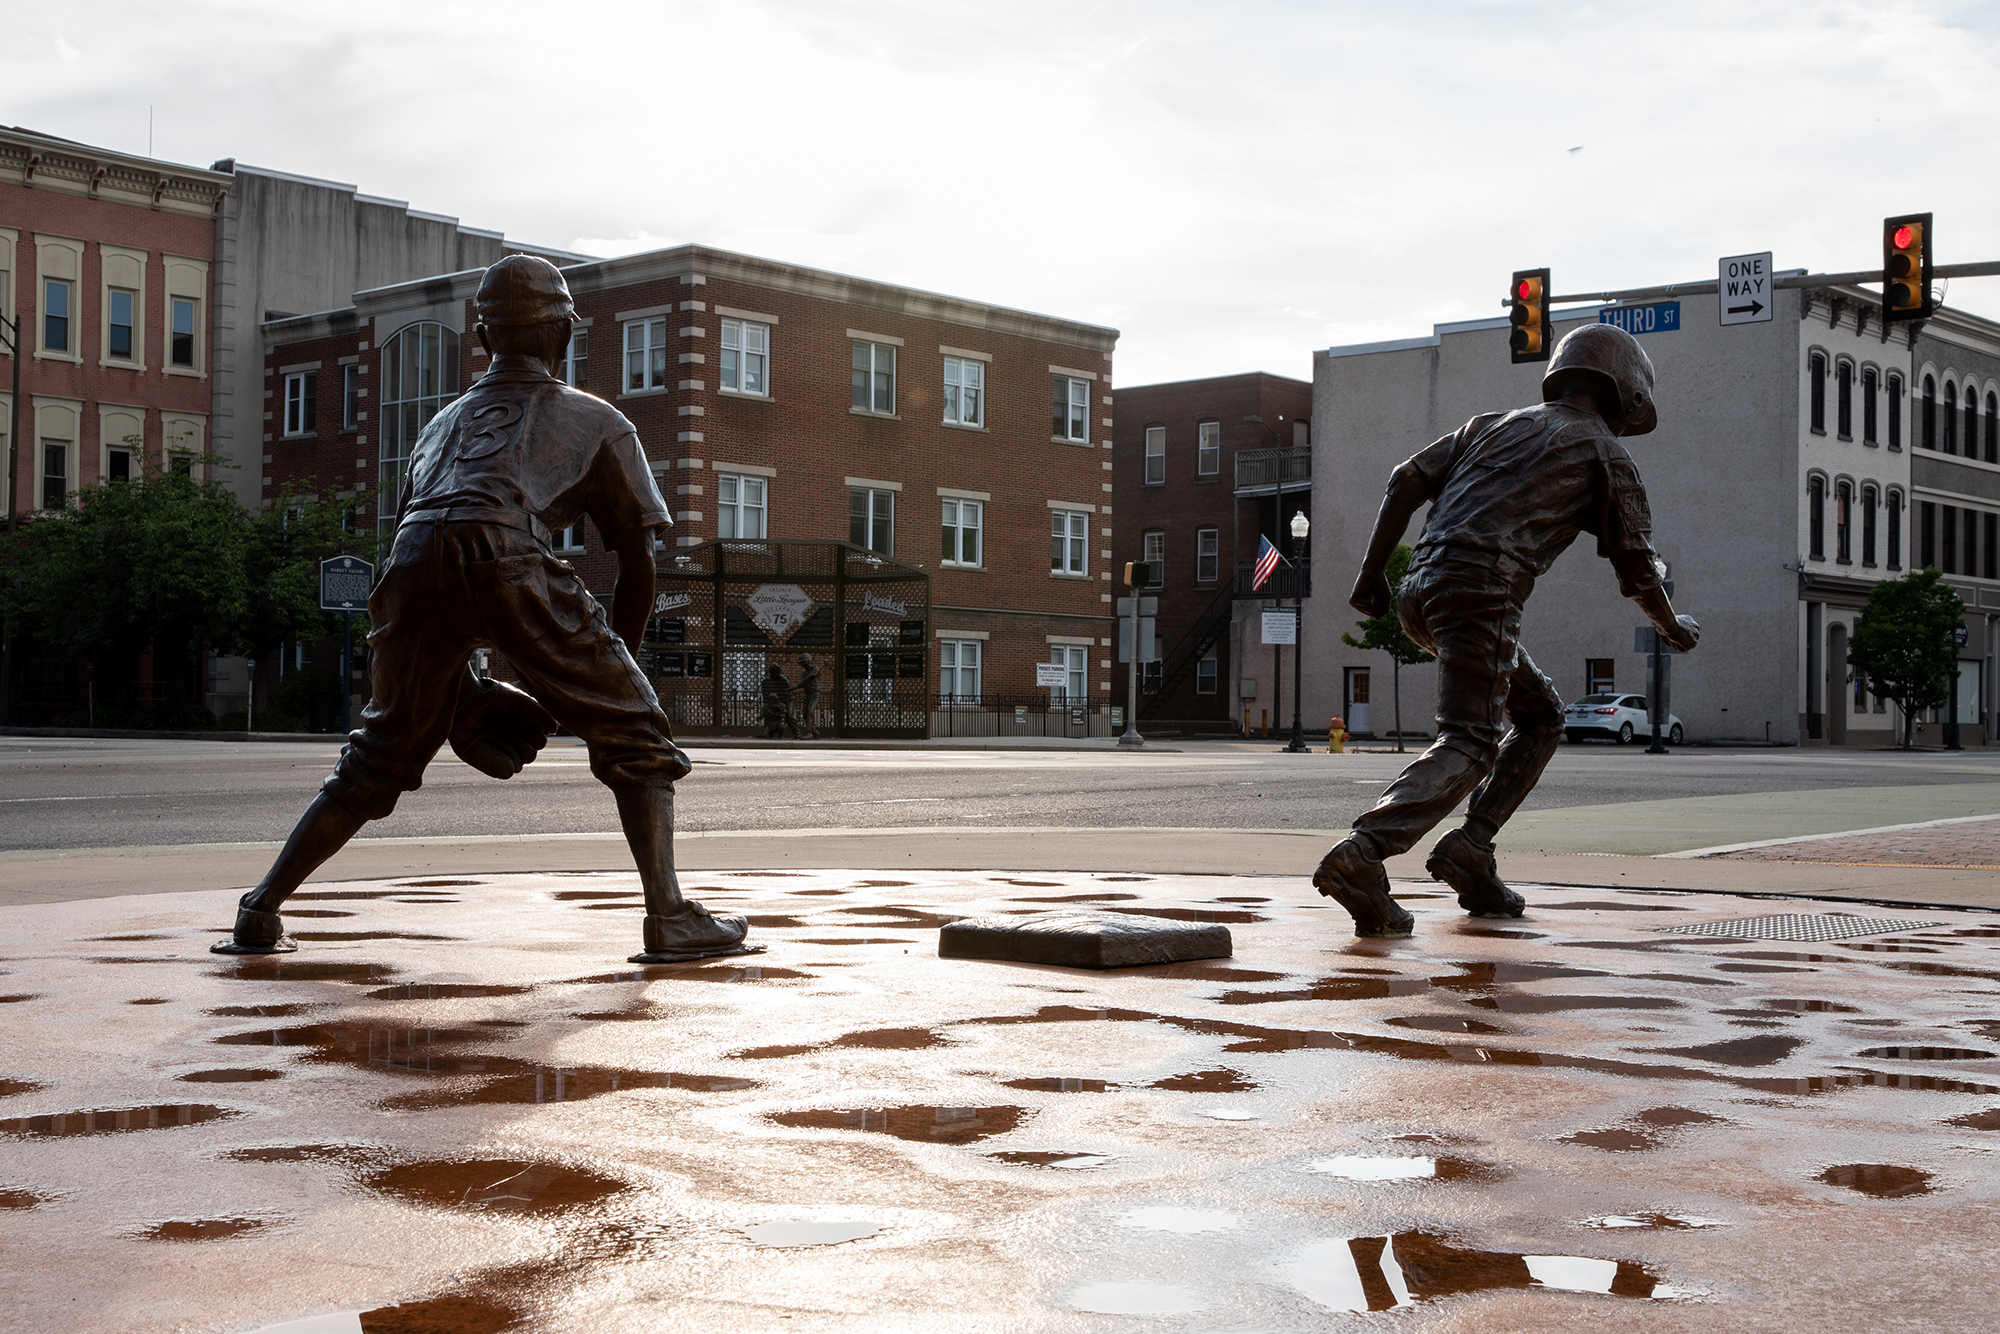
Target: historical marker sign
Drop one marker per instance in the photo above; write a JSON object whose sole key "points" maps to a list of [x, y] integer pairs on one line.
{"points": [[1281, 626], [1743, 289], [344, 583]]}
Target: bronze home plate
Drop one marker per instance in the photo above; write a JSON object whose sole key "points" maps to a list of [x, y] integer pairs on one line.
{"points": [[1083, 939]]}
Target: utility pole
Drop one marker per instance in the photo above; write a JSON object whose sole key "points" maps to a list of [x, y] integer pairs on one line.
{"points": [[11, 330]]}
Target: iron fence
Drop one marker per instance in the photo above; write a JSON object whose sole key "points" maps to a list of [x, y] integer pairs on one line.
{"points": [[1047, 713]]}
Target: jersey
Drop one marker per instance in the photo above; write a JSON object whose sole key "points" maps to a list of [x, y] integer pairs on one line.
{"points": [[1524, 484], [521, 440]]}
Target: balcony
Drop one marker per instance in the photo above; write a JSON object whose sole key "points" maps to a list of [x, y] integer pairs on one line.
{"points": [[1279, 585], [1260, 472]]}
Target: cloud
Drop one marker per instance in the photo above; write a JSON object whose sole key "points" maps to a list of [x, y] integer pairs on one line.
{"points": [[66, 50]]}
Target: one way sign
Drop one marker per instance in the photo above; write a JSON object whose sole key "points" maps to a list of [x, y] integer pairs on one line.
{"points": [[1743, 289]]}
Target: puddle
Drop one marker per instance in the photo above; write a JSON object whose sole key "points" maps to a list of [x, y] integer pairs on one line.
{"points": [[289, 968], [857, 940], [692, 972], [132, 958], [772, 1053], [1760, 968], [1615, 1140], [419, 991], [1224, 1114], [1134, 1299], [936, 1125], [1031, 884], [1334, 989], [1222, 915], [22, 1199], [1067, 898], [368, 935], [1206, 1081], [893, 1039], [306, 1153], [1074, 1162], [201, 1229], [1884, 1181], [495, 1185], [808, 1234], [870, 884], [1986, 1120], [110, 1120], [1501, 933], [1768, 1050], [892, 918], [1677, 1116], [573, 895], [155, 935], [1176, 1219], [1555, 1004], [1809, 1006], [613, 907], [1596, 906], [1444, 1023], [1653, 1220], [435, 884], [814, 892], [263, 1011], [338, 894], [230, 1076], [10, 1087], [1362, 1167], [1202, 972], [1059, 1084], [1886, 947], [1381, 1273], [780, 922], [1927, 1054], [1225, 898], [1134, 879], [17, 996]]}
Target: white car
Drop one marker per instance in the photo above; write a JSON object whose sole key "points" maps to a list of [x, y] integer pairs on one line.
{"points": [[1619, 717]]}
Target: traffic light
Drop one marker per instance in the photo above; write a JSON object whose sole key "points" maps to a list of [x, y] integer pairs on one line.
{"points": [[1529, 300], [1906, 268], [1138, 574]]}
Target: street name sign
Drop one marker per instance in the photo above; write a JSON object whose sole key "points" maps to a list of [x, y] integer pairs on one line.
{"points": [[344, 583], [1660, 317], [1743, 289]]}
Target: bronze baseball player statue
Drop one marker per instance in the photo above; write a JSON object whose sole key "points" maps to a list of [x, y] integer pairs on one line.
{"points": [[518, 454], [1508, 494]]}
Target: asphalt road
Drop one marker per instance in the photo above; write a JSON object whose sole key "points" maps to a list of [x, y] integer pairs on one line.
{"points": [[66, 794]]}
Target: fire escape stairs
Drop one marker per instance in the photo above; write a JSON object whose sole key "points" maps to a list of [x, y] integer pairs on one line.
{"points": [[1189, 650]]}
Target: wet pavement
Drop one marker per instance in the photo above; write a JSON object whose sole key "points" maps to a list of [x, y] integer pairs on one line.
{"points": [[457, 1109]]}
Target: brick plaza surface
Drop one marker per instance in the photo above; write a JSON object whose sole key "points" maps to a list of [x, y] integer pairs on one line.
{"points": [[457, 1107], [1974, 845]]}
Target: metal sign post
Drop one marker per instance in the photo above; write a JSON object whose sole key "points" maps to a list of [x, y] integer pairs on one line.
{"points": [[344, 585], [1136, 642]]}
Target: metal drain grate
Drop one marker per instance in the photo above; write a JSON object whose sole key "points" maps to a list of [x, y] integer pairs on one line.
{"points": [[1797, 926]]}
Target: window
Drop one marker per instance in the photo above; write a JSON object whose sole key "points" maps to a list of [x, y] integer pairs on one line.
{"points": [[1075, 659], [1599, 675], [1868, 386], [55, 315], [301, 393], [1156, 557], [874, 377], [55, 473], [961, 532], [182, 350], [419, 376], [746, 357], [1894, 545], [1069, 542], [1207, 555], [1204, 675], [1993, 428], [1969, 554], [1895, 412], [1072, 410], [181, 465], [871, 519], [1868, 502], [964, 391], [1818, 372], [1950, 417], [1948, 538], [350, 397], [567, 539], [1208, 449], [118, 465], [576, 359], [118, 327], [1991, 569], [1843, 523], [1156, 455], [740, 507], [1843, 400], [645, 356], [958, 671], [1927, 438], [1860, 691], [1816, 517], [1926, 534], [1971, 422]]}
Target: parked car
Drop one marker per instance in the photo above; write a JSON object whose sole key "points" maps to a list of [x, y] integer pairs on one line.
{"points": [[1619, 717]]}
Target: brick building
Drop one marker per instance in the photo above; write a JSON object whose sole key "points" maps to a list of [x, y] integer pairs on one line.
{"points": [[1200, 482], [780, 404]]}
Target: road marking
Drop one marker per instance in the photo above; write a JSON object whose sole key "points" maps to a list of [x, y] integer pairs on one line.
{"points": [[1722, 848]]}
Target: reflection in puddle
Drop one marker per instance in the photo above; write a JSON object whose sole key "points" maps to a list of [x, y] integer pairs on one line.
{"points": [[936, 1125], [21, 1199], [1134, 1299], [692, 973], [202, 1229], [1069, 1161], [1173, 1218], [908, 918], [1444, 1023], [13, 997], [368, 935], [1068, 898], [1927, 1054], [1809, 1006], [1986, 1120], [1653, 1220], [10, 1087], [585, 895], [1556, 1004], [289, 968], [1206, 1081], [106, 1121], [1615, 1140], [1766, 1050], [444, 991], [1059, 1084], [1380, 1273], [1885, 1181], [496, 1185], [808, 1234], [233, 1075], [857, 940], [435, 884], [262, 1011], [1223, 915]]}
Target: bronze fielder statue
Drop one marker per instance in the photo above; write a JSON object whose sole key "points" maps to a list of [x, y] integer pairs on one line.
{"points": [[1508, 494], [518, 454]]}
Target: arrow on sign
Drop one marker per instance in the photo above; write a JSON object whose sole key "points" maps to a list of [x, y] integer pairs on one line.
{"points": [[1754, 308]]}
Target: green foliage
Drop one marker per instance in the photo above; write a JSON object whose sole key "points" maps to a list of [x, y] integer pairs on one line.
{"points": [[1385, 632], [1903, 642]]}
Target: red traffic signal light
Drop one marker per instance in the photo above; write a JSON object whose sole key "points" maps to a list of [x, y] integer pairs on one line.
{"points": [[1528, 300], [1906, 268]]}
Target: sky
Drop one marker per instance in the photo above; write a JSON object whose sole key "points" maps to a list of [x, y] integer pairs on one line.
{"points": [[1230, 185]]}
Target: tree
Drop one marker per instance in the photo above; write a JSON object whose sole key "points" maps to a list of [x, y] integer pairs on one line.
{"points": [[1903, 643], [1385, 633]]}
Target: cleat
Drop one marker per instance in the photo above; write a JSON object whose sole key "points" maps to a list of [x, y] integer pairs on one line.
{"points": [[257, 932], [1473, 872], [693, 933], [1357, 882]]}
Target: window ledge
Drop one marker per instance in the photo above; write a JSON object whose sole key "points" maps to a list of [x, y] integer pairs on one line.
{"points": [[1872, 444], [954, 565], [300, 435], [188, 371], [1064, 574], [42, 355], [116, 364], [966, 426], [1816, 430], [643, 393], [870, 412], [738, 393], [1837, 436], [1065, 440]]}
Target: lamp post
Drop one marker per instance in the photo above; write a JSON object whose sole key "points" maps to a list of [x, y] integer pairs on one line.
{"points": [[1301, 526], [1959, 634], [10, 331]]}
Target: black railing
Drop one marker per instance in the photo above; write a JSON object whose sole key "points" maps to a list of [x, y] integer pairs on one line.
{"points": [[1279, 585], [1257, 468], [1045, 713]]}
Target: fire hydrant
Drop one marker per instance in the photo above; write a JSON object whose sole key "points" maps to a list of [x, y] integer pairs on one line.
{"points": [[1336, 737]]}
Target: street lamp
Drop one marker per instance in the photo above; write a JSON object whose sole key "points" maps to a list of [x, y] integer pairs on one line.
{"points": [[1959, 634], [1301, 526]]}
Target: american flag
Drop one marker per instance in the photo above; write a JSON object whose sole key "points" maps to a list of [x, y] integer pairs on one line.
{"points": [[1267, 563]]}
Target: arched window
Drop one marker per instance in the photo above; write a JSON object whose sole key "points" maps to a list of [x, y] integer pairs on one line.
{"points": [[419, 376], [1816, 517], [1843, 522], [1993, 428], [1818, 376], [1869, 383], [1927, 434], [1893, 542], [1971, 422], [1843, 399], [1950, 417], [1895, 412], [1868, 503]]}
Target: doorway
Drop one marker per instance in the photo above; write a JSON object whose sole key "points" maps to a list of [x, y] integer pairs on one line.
{"points": [[1836, 682], [1354, 698]]}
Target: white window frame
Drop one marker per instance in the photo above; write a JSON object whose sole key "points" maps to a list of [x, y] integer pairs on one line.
{"points": [[964, 521], [878, 387], [54, 447], [1069, 542], [742, 504], [131, 323], [746, 358], [1207, 555], [1154, 547], [567, 539], [964, 391], [645, 356], [301, 403], [175, 304], [68, 317], [1074, 425], [879, 507], [576, 359], [350, 397], [1075, 660], [1205, 673], [1156, 455], [1208, 449], [959, 664]]}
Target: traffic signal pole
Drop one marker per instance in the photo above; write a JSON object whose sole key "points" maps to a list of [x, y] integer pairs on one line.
{"points": [[1982, 269]]}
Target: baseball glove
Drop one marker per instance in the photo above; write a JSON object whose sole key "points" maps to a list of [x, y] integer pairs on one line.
{"points": [[498, 728]]}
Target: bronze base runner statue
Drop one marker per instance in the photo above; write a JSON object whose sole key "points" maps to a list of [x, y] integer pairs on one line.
{"points": [[1508, 494], [518, 454]]}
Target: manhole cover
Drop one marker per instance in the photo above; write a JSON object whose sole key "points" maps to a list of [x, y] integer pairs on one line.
{"points": [[1797, 926]]}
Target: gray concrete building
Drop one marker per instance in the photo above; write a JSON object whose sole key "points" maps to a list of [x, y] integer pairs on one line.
{"points": [[1797, 462]]}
